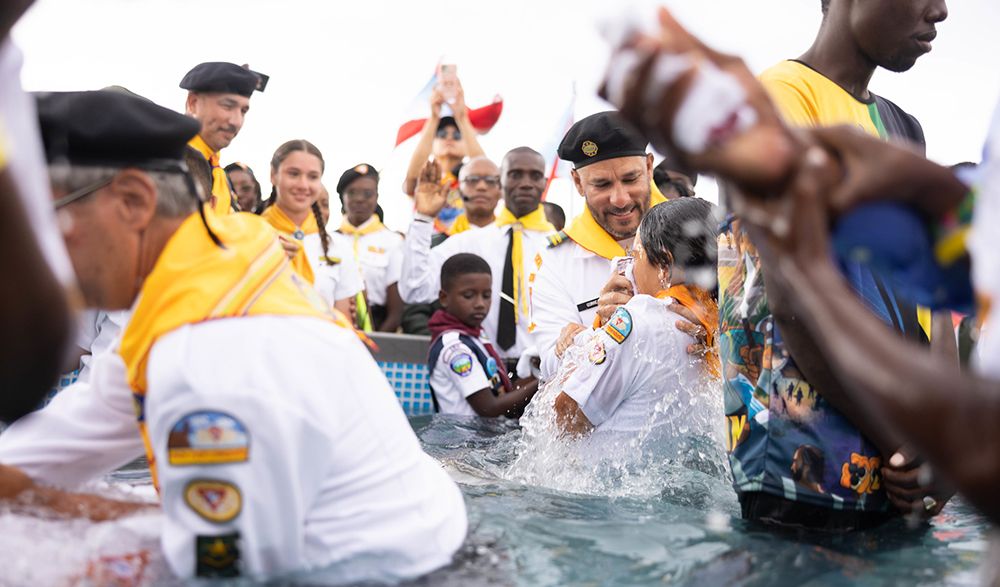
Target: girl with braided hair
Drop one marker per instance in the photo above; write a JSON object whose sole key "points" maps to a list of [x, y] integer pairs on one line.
{"points": [[296, 174]]}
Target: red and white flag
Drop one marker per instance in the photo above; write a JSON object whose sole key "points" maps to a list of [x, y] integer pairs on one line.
{"points": [[482, 118]]}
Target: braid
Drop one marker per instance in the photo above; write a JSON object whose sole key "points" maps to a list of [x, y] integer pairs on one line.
{"points": [[324, 238], [270, 201]]}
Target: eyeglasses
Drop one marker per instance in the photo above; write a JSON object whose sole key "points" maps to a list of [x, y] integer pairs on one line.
{"points": [[81, 193], [491, 180], [443, 133]]}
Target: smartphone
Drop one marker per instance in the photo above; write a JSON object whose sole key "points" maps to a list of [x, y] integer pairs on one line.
{"points": [[448, 81]]}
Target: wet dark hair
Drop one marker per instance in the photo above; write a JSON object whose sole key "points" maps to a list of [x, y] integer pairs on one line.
{"points": [[681, 232], [462, 264], [558, 212], [279, 156]]}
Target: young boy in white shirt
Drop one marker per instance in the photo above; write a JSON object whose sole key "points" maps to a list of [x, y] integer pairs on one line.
{"points": [[467, 374]]}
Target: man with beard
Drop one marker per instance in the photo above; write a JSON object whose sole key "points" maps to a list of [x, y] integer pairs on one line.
{"points": [[219, 98], [612, 171]]}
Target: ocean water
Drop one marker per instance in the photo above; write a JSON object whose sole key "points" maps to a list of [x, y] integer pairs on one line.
{"points": [[591, 523]]}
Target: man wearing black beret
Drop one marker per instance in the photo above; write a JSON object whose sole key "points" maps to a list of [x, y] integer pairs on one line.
{"points": [[248, 450], [613, 172], [219, 98]]}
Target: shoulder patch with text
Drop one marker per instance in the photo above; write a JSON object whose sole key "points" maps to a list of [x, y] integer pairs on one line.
{"points": [[619, 326], [207, 438]]}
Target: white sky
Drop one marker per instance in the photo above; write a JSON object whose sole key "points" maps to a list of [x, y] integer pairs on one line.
{"points": [[343, 75]]}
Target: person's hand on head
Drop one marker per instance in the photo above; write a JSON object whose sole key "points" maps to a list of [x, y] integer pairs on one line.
{"points": [[566, 337], [691, 326], [430, 196], [615, 293]]}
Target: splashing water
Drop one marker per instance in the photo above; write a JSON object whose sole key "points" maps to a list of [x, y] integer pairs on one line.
{"points": [[679, 444]]}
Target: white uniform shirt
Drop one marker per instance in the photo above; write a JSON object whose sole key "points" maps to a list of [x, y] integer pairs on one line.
{"points": [[87, 431], [333, 281], [421, 279], [26, 161], [565, 290], [458, 374], [630, 366], [317, 473], [375, 257], [98, 333]]}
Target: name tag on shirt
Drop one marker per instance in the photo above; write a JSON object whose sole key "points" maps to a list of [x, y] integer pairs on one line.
{"points": [[588, 305]]}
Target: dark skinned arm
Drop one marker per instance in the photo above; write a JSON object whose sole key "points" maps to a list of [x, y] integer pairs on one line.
{"points": [[948, 416], [570, 418], [393, 309], [37, 307], [510, 404]]}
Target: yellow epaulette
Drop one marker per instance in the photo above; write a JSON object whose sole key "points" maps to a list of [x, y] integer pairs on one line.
{"points": [[557, 238]]}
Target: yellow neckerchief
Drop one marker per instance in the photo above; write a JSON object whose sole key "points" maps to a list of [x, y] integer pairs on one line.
{"points": [[706, 310], [370, 226], [222, 196], [195, 281], [283, 224], [586, 232], [461, 224], [532, 221]]}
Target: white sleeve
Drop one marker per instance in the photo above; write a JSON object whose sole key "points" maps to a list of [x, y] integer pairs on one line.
{"points": [[552, 308], [603, 380], [86, 431], [394, 270], [420, 279], [250, 497], [460, 366], [349, 283]]}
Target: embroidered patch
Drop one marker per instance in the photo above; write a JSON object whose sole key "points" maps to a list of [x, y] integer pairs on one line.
{"points": [[462, 365], [217, 556], [597, 353], [491, 367], [538, 261], [619, 326], [207, 438], [377, 250], [216, 501], [589, 148]]}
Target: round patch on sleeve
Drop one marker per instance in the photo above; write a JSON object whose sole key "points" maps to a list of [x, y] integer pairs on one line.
{"points": [[597, 354], [216, 501], [461, 364], [620, 325], [207, 438]]}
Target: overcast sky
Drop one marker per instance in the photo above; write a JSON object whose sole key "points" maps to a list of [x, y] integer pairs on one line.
{"points": [[344, 74]]}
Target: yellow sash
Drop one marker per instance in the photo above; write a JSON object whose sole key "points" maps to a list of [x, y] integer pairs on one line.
{"points": [[283, 224], [194, 281], [461, 224], [370, 226], [532, 221], [707, 311], [222, 197], [586, 232]]}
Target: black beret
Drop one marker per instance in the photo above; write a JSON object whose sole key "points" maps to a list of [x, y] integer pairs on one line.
{"points": [[361, 170], [111, 128], [601, 136], [225, 78]]}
